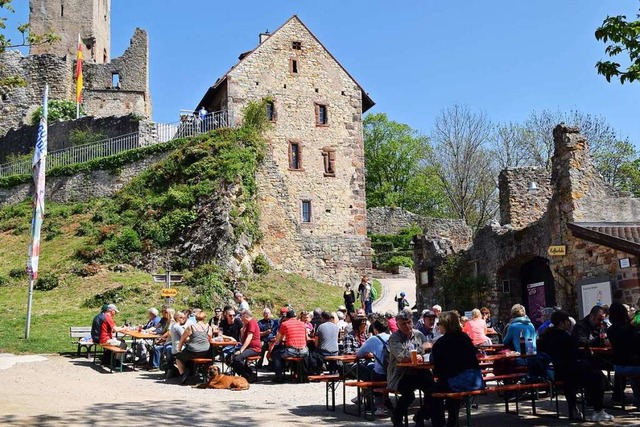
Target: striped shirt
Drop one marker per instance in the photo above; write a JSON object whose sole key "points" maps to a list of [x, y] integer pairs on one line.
{"points": [[294, 333]]}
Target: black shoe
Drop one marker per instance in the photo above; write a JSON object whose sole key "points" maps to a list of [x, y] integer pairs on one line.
{"points": [[184, 377], [396, 419]]}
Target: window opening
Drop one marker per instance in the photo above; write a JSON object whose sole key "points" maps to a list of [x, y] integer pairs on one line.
{"points": [[294, 66], [296, 45], [61, 10], [295, 156], [271, 115], [115, 80], [306, 211], [321, 115], [329, 161]]}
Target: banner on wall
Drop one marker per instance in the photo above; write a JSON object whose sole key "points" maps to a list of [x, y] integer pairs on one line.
{"points": [[536, 300], [593, 292]]}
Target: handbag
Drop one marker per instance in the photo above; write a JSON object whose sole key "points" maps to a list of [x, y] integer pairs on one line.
{"points": [[467, 380]]}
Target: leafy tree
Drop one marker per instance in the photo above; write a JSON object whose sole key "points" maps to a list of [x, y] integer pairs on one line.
{"points": [[622, 36], [464, 164], [614, 161], [59, 110], [397, 171], [629, 177]]}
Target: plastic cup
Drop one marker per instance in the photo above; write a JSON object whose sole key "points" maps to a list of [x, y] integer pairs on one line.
{"points": [[414, 356]]}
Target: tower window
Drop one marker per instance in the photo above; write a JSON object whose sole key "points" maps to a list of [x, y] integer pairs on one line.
{"points": [[322, 118], [306, 211], [271, 112], [296, 45], [293, 66], [329, 161], [295, 156], [61, 10], [115, 80]]}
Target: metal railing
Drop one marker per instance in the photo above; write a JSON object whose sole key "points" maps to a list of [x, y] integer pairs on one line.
{"points": [[189, 125]]}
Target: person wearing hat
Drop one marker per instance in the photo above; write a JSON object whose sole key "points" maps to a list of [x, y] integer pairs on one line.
{"points": [[107, 329], [294, 335], [428, 328], [402, 301], [349, 298]]}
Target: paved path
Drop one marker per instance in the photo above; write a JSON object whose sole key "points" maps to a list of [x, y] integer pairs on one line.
{"points": [[392, 287]]}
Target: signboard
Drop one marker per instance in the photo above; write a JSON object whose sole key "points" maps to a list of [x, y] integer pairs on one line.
{"points": [[558, 250], [424, 277], [169, 292], [594, 292], [625, 263], [162, 278], [536, 300]]}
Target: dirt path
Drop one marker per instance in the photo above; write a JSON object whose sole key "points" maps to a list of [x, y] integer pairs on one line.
{"points": [[391, 288]]}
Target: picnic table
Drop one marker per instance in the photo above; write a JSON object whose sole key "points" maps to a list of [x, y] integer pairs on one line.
{"points": [[135, 336], [219, 344]]}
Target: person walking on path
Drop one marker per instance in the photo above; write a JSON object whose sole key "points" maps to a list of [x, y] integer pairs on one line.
{"points": [[402, 301]]}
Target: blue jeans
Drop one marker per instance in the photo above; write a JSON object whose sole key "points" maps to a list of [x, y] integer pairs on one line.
{"points": [[635, 382], [367, 307], [157, 352], [281, 352]]}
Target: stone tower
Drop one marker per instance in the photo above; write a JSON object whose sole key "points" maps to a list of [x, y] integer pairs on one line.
{"points": [[68, 18]]}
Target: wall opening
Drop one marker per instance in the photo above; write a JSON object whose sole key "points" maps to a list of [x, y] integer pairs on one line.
{"points": [[306, 211], [115, 80], [538, 288]]}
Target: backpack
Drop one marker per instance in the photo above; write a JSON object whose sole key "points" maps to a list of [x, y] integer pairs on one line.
{"points": [[385, 354], [374, 292]]}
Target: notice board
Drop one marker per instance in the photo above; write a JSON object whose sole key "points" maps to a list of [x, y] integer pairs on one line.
{"points": [[595, 291]]}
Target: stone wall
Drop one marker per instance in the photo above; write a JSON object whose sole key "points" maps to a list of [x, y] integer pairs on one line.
{"points": [[83, 186], [89, 18], [333, 247], [519, 206], [18, 103], [22, 140]]}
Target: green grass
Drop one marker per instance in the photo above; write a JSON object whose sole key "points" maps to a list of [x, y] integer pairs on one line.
{"points": [[376, 284]]}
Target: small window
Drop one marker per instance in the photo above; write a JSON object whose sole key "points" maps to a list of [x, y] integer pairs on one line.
{"points": [[61, 10], [115, 80], [295, 156], [506, 287], [306, 211], [296, 45], [293, 66], [322, 118], [329, 161], [271, 112]]}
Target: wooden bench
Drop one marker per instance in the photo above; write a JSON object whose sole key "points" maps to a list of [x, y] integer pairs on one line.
{"points": [[252, 362], [201, 367], [366, 387], [331, 383], [466, 396], [296, 367], [120, 352], [80, 332]]}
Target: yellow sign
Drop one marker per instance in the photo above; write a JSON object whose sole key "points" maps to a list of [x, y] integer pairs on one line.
{"points": [[559, 250], [169, 292]]}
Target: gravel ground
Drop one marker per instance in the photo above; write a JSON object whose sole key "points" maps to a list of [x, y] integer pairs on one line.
{"points": [[72, 391]]}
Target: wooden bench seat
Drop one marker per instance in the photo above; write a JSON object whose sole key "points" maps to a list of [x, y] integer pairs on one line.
{"points": [[331, 383], [201, 367], [366, 387], [296, 367], [115, 351], [78, 333], [252, 361]]}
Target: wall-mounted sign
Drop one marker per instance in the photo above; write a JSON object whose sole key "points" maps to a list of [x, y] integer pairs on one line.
{"points": [[558, 250], [424, 277], [595, 291], [625, 263]]}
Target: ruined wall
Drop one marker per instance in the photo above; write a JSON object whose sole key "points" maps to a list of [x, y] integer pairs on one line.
{"points": [[519, 206], [131, 95], [333, 247], [17, 103], [89, 18], [83, 186], [22, 141]]}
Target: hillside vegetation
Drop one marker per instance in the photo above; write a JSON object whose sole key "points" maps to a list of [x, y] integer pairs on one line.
{"points": [[189, 210]]}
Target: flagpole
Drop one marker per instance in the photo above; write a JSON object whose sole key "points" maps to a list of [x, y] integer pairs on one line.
{"points": [[39, 169]]}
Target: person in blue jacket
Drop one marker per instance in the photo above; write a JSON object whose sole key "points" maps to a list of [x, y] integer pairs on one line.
{"points": [[520, 324]]}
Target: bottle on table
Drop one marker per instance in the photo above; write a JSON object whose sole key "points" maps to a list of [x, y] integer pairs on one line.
{"points": [[523, 349]]}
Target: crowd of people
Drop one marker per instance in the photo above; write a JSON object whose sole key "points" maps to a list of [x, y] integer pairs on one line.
{"points": [[384, 341]]}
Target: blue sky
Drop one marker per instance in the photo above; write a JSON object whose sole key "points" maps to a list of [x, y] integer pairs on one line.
{"points": [[506, 58]]}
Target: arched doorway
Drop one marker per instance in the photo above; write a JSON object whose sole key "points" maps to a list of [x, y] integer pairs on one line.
{"points": [[538, 287]]}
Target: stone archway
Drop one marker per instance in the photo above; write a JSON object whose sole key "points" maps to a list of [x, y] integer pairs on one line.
{"points": [[538, 287]]}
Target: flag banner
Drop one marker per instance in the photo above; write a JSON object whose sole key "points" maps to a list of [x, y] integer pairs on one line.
{"points": [[39, 168], [79, 77]]}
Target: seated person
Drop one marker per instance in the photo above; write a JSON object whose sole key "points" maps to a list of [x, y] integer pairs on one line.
{"points": [[326, 337], [175, 333], [476, 328], [406, 380], [455, 364], [217, 317], [291, 341], [586, 332], [625, 340], [198, 345], [519, 322], [144, 346], [428, 328], [353, 340], [375, 345], [267, 324], [106, 333], [96, 324], [164, 341], [231, 325], [250, 346], [570, 367]]}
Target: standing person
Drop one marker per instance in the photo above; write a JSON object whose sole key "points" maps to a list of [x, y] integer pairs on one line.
{"points": [[364, 293], [349, 298], [198, 336], [242, 302], [251, 346], [476, 328], [571, 368], [407, 380], [202, 115], [625, 340], [455, 364], [402, 301], [294, 335]]}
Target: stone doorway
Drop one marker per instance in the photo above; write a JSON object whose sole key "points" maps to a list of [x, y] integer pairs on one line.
{"points": [[538, 287]]}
